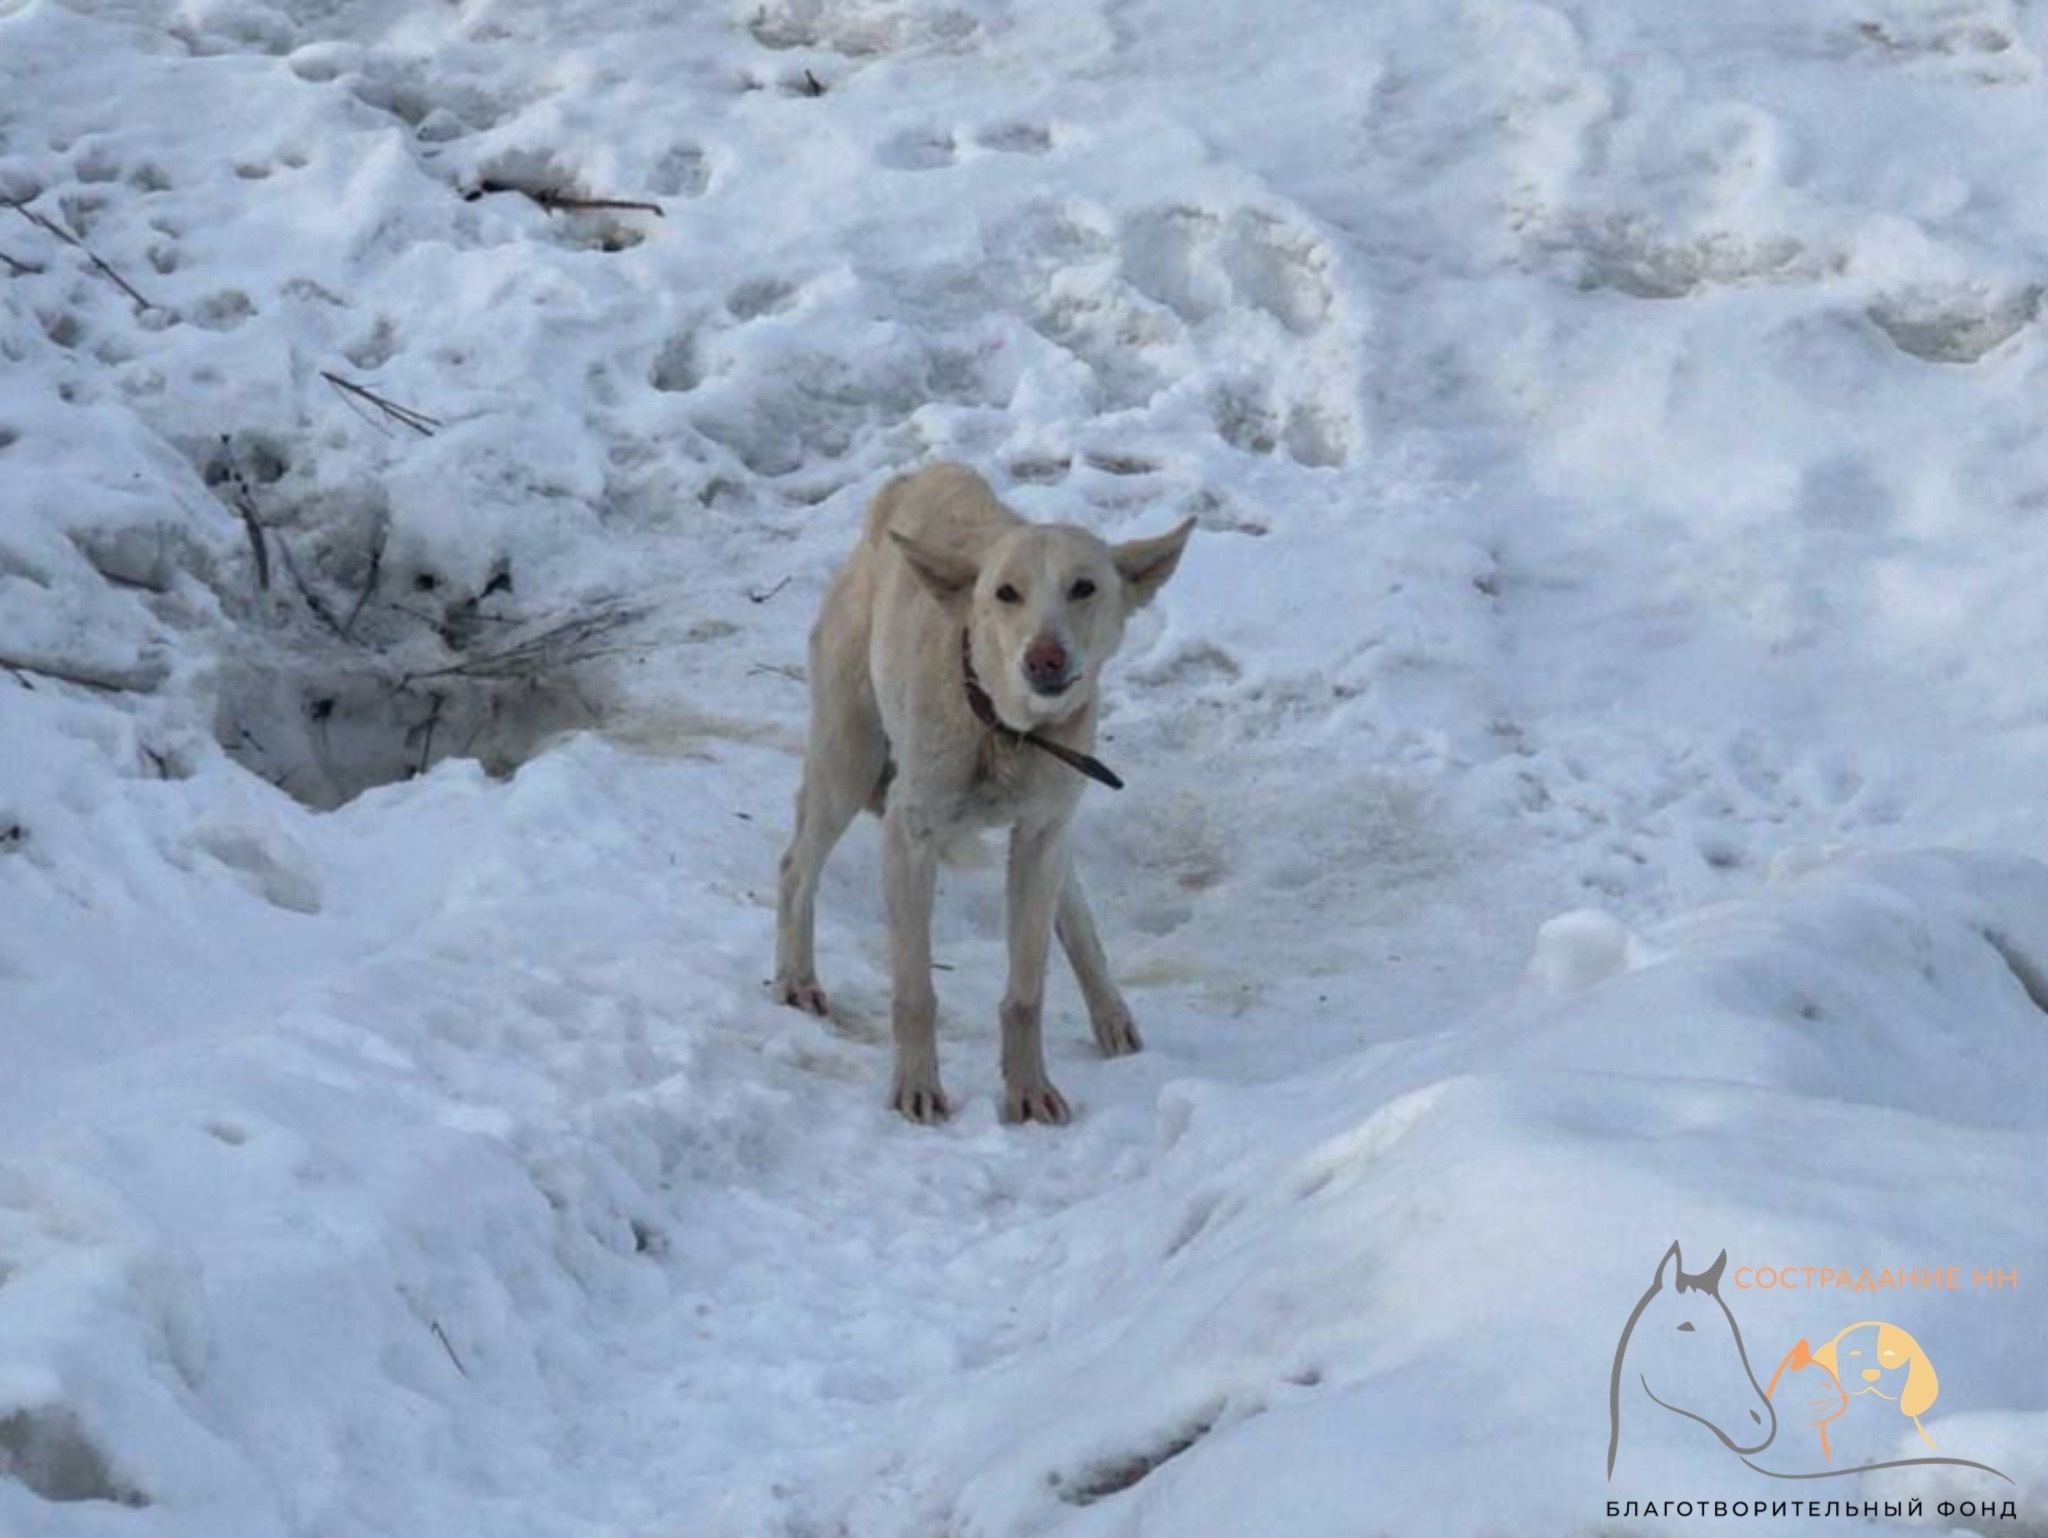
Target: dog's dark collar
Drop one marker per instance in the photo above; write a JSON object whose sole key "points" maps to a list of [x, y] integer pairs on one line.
{"points": [[984, 710]]}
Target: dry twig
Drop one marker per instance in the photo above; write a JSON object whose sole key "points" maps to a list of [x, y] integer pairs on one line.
{"points": [[405, 416], [565, 202], [70, 239], [442, 1336], [553, 201], [244, 502], [107, 681], [427, 743], [313, 600], [370, 582], [583, 638]]}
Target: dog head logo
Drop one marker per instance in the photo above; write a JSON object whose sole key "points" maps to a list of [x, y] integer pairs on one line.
{"points": [[1681, 1353], [1867, 1358]]}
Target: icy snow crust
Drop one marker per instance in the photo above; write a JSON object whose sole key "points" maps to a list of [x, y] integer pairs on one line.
{"points": [[1616, 439]]}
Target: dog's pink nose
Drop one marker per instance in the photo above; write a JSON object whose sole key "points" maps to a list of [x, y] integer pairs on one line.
{"points": [[1046, 663]]}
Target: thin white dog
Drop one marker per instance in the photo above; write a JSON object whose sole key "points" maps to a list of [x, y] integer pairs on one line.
{"points": [[953, 674]]}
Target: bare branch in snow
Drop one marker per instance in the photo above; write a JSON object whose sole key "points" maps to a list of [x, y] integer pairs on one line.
{"points": [[405, 416], [581, 638], [442, 1336], [427, 742], [370, 582], [243, 500], [106, 680], [313, 600], [564, 202], [70, 239]]}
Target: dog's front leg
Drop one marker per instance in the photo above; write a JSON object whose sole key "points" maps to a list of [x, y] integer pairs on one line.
{"points": [[1115, 1032], [909, 877], [1038, 867]]}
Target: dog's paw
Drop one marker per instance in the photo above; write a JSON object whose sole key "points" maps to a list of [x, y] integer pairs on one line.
{"points": [[1116, 1033], [1035, 1102], [808, 997], [918, 1098]]}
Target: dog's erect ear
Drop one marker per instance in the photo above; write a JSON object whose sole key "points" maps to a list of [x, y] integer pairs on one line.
{"points": [[1145, 564], [946, 574]]}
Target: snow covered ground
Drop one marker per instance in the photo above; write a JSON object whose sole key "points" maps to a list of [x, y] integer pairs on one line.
{"points": [[1585, 781]]}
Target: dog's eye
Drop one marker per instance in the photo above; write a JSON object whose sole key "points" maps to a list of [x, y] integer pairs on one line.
{"points": [[1687, 1325], [1008, 594], [1082, 589]]}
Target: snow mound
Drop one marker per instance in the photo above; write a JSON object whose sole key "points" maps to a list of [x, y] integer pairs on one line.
{"points": [[1422, 1261], [573, 1229]]}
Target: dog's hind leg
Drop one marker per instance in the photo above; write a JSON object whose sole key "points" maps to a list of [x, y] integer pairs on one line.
{"points": [[910, 875], [843, 768], [1116, 1033]]}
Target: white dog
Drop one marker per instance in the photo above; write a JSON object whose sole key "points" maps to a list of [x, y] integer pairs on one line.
{"points": [[953, 687]]}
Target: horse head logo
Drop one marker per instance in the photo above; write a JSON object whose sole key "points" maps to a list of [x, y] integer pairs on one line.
{"points": [[1682, 1351]]}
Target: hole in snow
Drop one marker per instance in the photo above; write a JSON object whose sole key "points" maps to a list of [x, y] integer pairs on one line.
{"points": [[1119, 1474], [47, 1450], [1958, 325], [1017, 138], [1113, 463], [2023, 968], [1042, 470], [677, 367], [919, 149], [683, 172], [324, 735], [761, 296]]}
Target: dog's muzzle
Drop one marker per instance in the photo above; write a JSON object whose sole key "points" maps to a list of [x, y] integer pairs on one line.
{"points": [[1048, 667], [984, 710]]}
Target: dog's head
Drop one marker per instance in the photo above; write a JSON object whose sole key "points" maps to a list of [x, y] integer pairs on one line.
{"points": [[1871, 1357], [1046, 605]]}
